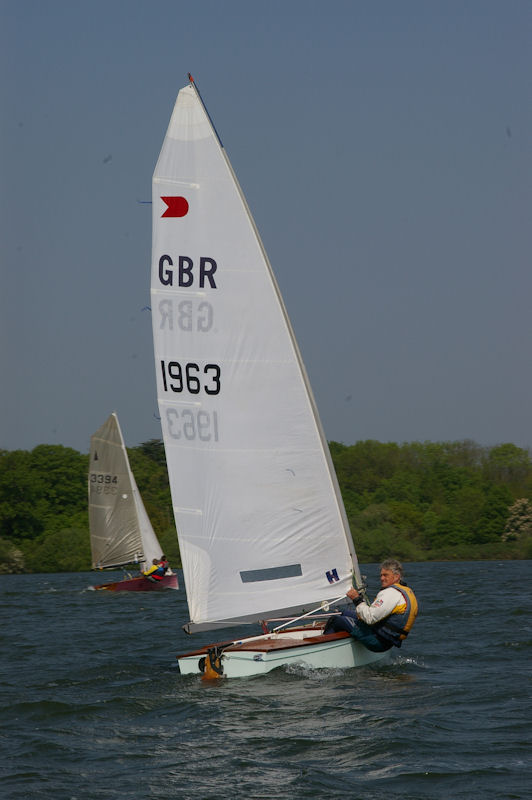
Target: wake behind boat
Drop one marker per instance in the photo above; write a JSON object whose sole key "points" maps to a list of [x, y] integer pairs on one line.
{"points": [[120, 530], [262, 529]]}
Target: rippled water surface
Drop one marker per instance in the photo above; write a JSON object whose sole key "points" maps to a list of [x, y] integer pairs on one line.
{"points": [[93, 705]]}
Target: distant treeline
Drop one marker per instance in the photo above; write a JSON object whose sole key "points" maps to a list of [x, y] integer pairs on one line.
{"points": [[417, 501]]}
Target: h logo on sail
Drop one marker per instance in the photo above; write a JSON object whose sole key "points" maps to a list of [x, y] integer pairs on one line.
{"points": [[332, 576]]}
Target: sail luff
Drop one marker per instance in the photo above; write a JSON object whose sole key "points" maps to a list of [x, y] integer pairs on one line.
{"points": [[150, 544]]}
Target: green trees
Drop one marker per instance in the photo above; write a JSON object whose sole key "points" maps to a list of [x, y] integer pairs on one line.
{"points": [[417, 501], [433, 500], [148, 464], [519, 522], [43, 514], [44, 525]]}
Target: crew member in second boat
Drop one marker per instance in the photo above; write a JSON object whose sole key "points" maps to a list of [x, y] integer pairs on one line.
{"points": [[387, 621], [164, 565], [156, 572]]}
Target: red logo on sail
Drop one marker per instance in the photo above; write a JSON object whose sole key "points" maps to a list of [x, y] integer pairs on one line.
{"points": [[177, 206]]}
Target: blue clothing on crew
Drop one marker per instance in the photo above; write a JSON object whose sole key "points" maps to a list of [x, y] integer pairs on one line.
{"points": [[359, 630], [155, 572], [395, 627], [388, 620]]}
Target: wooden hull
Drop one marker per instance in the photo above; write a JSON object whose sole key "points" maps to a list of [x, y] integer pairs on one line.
{"points": [[139, 584], [257, 655]]}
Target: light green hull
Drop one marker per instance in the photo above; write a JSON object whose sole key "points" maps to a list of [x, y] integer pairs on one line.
{"points": [[258, 655]]}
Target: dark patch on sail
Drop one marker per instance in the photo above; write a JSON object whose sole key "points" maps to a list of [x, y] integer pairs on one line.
{"points": [[271, 573]]}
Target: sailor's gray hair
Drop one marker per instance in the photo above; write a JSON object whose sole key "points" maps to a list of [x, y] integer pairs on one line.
{"points": [[393, 565]]}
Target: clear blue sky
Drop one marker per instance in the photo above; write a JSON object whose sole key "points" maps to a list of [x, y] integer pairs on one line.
{"points": [[385, 150]]}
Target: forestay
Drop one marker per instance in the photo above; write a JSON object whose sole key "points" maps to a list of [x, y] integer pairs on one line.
{"points": [[260, 520], [120, 530]]}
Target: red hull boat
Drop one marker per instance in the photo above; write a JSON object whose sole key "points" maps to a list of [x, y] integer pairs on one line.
{"points": [[140, 584]]}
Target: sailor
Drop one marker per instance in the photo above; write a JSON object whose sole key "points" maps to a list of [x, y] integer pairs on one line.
{"points": [[163, 563], [156, 572], [388, 620]]}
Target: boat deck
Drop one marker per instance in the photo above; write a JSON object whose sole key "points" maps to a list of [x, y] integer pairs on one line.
{"points": [[271, 642]]}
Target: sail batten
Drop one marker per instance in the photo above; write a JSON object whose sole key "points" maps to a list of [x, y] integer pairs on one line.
{"points": [[243, 439]]}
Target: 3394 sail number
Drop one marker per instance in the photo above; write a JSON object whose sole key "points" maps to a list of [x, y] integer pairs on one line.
{"points": [[100, 477], [103, 484], [190, 377]]}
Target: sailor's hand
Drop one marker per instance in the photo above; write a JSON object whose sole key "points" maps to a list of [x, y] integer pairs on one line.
{"points": [[353, 594]]}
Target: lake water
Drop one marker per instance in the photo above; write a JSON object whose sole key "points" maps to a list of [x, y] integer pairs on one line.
{"points": [[93, 705]]}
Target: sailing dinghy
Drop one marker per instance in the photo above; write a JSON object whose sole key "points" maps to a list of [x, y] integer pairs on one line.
{"points": [[120, 530], [262, 529]]}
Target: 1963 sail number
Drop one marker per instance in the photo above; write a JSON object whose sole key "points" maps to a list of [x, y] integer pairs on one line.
{"points": [[190, 377], [192, 424]]}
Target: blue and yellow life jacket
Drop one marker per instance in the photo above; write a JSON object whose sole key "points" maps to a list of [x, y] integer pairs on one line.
{"points": [[154, 573], [396, 626]]}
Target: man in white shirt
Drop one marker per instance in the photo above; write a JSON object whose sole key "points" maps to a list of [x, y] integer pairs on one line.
{"points": [[387, 621]]}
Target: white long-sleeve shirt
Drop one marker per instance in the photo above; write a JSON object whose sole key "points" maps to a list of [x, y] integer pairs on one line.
{"points": [[383, 605]]}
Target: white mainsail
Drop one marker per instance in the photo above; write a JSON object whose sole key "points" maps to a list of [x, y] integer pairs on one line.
{"points": [[260, 520], [120, 530]]}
